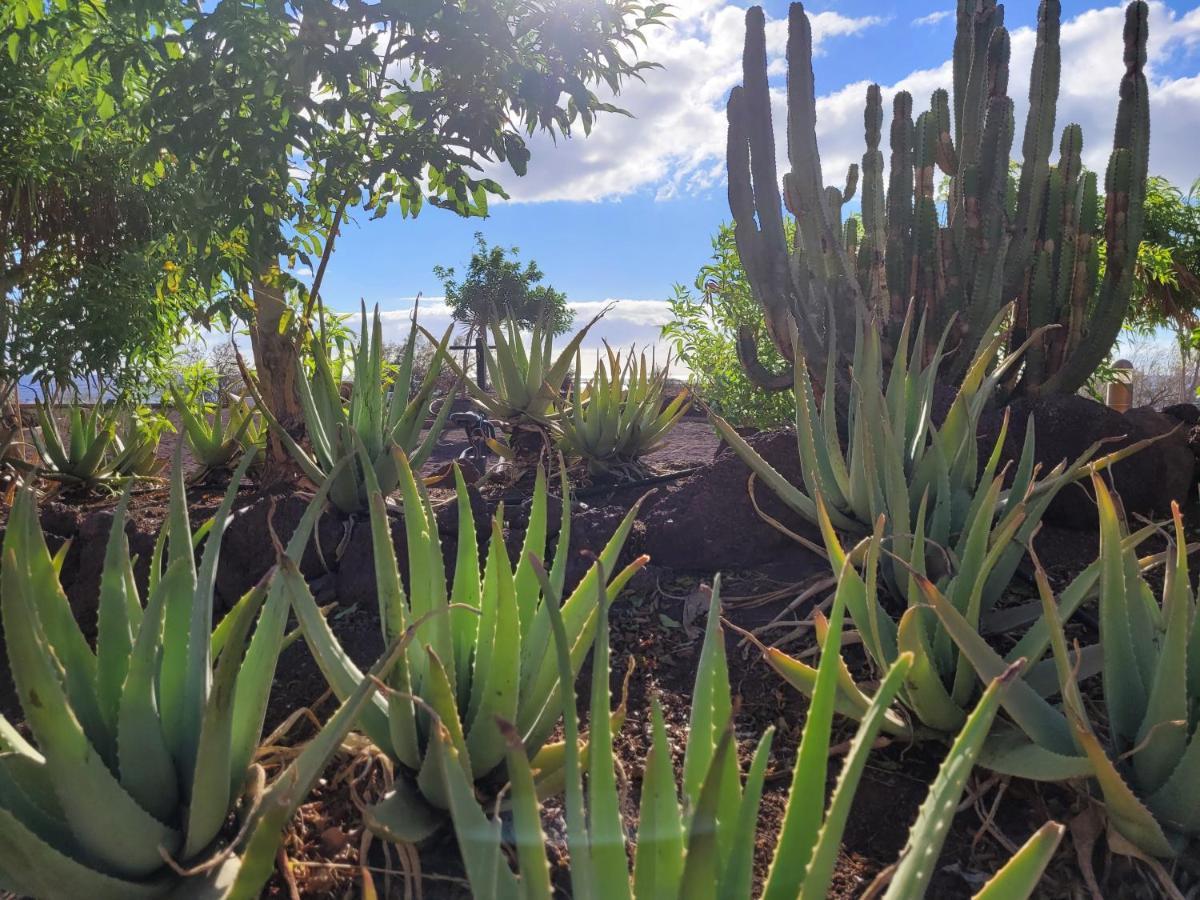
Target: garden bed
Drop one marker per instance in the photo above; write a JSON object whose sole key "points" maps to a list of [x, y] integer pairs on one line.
{"points": [[694, 510]]}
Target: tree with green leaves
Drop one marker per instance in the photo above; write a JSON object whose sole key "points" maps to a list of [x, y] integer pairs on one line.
{"points": [[1166, 286], [496, 285], [704, 329], [91, 281], [293, 114]]}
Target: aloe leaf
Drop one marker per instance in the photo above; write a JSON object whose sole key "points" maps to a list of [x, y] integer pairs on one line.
{"points": [[210, 785], [928, 833], [525, 581], [737, 866], [174, 663], [711, 708], [198, 674], [795, 498], [579, 841], [262, 656], [289, 790], [925, 691], [1163, 734], [478, 837], [108, 823], [1019, 877], [1124, 691], [438, 693], [501, 676], [803, 678], [825, 854], [583, 634], [402, 816], [607, 832], [1177, 803], [336, 666], [579, 619], [495, 568], [802, 818], [1008, 751], [527, 820], [25, 540], [1034, 715], [146, 766], [32, 867], [700, 873], [658, 858], [114, 638]]}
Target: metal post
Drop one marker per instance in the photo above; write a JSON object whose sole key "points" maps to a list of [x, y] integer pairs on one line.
{"points": [[481, 363]]}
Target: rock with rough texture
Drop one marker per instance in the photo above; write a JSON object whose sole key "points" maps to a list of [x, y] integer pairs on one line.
{"points": [[1187, 413], [248, 551], [707, 522], [1067, 426]]}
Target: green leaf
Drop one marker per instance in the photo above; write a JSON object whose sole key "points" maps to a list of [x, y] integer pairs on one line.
{"points": [[928, 833], [1019, 877]]}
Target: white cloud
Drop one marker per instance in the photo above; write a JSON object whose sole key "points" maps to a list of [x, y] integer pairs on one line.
{"points": [[626, 323], [934, 18], [676, 143]]}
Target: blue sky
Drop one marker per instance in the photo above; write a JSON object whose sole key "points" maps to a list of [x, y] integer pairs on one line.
{"points": [[629, 211]]}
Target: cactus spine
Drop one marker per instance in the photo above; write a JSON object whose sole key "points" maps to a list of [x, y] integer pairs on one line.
{"points": [[1033, 242]]}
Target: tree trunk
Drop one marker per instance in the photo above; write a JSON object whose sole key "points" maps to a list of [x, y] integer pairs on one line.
{"points": [[276, 360]]}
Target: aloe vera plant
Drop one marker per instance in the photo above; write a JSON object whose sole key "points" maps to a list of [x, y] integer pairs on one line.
{"points": [[216, 439], [141, 749], [83, 458], [485, 657], [1149, 662], [619, 416], [704, 846], [526, 381], [135, 444], [381, 413]]}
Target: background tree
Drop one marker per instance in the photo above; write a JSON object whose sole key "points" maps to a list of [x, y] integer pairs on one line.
{"points": [[497, 284], [294, 114], [703, 331], [1166, 294], [91, 281]]}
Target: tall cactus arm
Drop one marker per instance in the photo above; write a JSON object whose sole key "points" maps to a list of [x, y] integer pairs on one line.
{"points": [[753, 188], [760, 375], [947, 156], [900, 207], [872, 273], [818, 235], [1036, 144], [1125, 193]]}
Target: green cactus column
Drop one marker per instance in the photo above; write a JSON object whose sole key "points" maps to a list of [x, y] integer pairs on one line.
{"points": [[992, 240]]}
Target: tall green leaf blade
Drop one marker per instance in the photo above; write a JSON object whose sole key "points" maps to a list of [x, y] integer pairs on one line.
{"points": [[289, 790], [658, 858], [210, 785], [802, 818], [825, 853], [105, 819], [1019, 877], [607, 831], [146, 766], [928, 833], [114, 636], [198, 675]]}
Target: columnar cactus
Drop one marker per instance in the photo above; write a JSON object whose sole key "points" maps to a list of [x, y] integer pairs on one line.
{"points": [[1033, 241]]}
